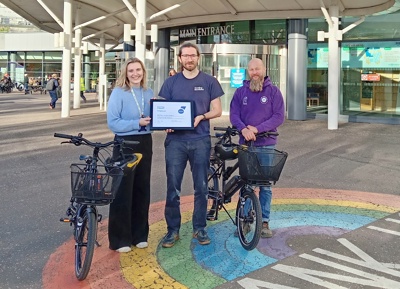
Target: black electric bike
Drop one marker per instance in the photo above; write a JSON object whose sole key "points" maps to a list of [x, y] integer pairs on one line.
{"points": [[255, 169], [94, 182]]}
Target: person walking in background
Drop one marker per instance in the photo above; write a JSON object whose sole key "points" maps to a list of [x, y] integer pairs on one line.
{"points": [[128, 118], [26, 83], [258, 107], [172, 72], [51, 87], [190, 145], [82, 88], [6, 78], [59, 88]]}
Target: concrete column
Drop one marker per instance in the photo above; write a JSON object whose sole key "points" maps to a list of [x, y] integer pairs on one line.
{"points": [[297, 69], [77, 67], [161, 62], [334, 70], [102, 66], [283, 74], [13, 66], [140, 37], [87, 71], [66, 61]]}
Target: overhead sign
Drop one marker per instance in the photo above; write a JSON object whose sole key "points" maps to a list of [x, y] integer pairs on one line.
{"points": [[206, 31]]}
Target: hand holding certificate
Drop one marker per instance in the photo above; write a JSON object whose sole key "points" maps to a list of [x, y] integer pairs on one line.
{"points": [[176, 115]]}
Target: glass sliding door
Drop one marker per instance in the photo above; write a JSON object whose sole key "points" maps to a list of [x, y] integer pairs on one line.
{"points": [[227, 63]]}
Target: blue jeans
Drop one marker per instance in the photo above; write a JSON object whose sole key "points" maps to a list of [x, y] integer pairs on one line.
{"points": [[53, 95], [177, 153], [265, 194]]}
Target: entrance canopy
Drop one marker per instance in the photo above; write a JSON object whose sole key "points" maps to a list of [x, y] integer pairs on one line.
{"points": [[107, 17]]}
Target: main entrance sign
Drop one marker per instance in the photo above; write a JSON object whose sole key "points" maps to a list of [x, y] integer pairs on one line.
{"points": [[206, 31]]}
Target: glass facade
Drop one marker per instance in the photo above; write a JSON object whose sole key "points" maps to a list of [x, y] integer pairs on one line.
{"points": [[40, 64], [370, 71], [268, 32], [221, 61], [236, 32], [370, 81]]}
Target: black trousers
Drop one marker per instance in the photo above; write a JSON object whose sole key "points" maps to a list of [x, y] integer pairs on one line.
{"points": [[129, 212]]}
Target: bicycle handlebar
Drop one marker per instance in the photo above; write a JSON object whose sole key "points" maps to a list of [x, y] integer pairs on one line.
{"points": [[79, 139], [234, 131]]}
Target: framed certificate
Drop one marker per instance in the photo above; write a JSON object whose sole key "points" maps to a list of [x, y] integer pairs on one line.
{"points": [[173, 114]]}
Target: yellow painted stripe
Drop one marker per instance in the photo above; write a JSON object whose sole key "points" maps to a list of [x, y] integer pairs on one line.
{"points": [[140, 267]]}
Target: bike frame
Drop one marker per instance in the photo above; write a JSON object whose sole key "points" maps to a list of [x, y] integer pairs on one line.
{"points": [[223, 174]]}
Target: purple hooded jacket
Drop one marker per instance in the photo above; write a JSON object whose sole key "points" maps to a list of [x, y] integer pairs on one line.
{"points": [[265, 110]]}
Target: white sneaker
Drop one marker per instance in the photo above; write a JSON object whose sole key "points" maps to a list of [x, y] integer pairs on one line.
{"points": [[124, 249], [142, 245]]}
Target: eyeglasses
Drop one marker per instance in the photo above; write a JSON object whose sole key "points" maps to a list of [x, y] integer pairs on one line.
{"points": [[189, 55]]}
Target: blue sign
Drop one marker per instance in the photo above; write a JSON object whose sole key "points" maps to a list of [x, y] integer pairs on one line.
{"points": [[237, 77]]}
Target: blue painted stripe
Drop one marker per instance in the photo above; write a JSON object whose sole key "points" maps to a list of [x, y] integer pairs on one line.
{"points": [[330, 219], [226, 257]]}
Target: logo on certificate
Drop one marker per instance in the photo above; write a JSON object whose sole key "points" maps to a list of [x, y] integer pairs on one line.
{"points": [[182, 109]]}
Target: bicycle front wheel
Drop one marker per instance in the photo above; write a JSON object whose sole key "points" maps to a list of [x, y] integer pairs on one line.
{"points": [[249, 219], [85, 242]]}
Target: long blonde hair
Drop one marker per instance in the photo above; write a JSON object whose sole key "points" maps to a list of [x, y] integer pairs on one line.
{"points": [[123, 80]]}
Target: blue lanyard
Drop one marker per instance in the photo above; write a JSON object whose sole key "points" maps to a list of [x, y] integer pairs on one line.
{"points": [[141, 109]]}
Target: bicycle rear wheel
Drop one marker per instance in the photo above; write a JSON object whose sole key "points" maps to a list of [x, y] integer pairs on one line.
{"points": [[213, 195], [85, 242], [248, 219]]}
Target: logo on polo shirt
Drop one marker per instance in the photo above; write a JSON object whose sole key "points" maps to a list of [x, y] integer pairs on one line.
{"points": [[263, 99]]}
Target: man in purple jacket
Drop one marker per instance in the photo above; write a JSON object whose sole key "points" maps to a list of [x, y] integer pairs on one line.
{"points": [[258, 107]]}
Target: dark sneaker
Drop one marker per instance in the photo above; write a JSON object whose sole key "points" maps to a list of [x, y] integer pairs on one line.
{"points": [[169, 239], [202, 237], [266, 232]]}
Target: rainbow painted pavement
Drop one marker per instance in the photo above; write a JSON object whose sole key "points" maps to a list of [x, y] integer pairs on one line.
{"points": [[296, 213]]}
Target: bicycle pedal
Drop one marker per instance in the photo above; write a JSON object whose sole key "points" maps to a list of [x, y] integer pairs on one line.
{"points": [[65, 220], [99, 217]]}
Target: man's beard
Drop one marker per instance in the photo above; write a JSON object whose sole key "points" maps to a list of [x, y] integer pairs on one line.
{"points": [[256, 85], [191, 67]]}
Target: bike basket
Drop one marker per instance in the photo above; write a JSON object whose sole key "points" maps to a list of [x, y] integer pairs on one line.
{"points": [[92, 187], [265, 166]]}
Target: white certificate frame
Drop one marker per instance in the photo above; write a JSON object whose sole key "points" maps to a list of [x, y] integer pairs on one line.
{"points": [[171, 114]]}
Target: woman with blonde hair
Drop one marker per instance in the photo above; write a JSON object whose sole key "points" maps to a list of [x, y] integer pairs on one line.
{"points": [[128, 118]]}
